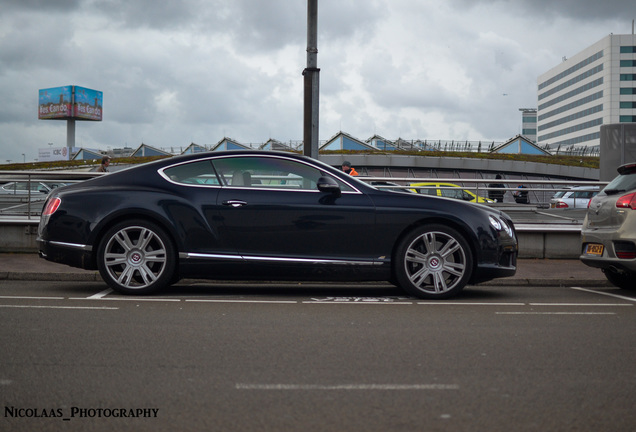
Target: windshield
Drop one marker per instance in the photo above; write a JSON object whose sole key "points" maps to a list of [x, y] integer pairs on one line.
{"points": [[621, 183]]}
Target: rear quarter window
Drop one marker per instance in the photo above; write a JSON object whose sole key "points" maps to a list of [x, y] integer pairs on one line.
{"points": [[200, 173]]}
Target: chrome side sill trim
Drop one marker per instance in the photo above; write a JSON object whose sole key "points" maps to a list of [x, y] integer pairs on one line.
{"points": [[308, 260], [86, 248], [188, 255]]}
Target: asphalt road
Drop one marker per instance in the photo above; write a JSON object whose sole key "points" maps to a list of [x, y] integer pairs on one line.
{"points": [[75, 356]]}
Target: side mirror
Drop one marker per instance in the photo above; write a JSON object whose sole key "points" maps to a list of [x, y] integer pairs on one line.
{"points": [[329, 185]]}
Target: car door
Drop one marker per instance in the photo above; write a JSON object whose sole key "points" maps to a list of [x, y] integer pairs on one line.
{"points": [[270, 208], [582, 198], [451, 191]]}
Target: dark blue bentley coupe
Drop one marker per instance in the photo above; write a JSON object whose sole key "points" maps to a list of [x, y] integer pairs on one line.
{"points": [[251, 215]]}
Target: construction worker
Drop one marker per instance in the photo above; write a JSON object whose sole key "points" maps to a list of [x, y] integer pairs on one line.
{"points": [[346, 167]]}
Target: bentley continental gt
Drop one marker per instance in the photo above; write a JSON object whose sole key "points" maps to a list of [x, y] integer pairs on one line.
{"points": [[250, 215]]}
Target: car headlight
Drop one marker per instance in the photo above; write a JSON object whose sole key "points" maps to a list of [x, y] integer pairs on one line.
{"points": [[507, 228], [500, 225], [495, 223]]}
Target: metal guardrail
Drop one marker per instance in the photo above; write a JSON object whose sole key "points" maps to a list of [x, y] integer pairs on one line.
{"points": [[543, 232], [30, 202], [29, 205], [542, 190]]}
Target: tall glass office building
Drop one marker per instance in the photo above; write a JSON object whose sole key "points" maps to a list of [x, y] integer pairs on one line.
{"points": [[592, 88]]}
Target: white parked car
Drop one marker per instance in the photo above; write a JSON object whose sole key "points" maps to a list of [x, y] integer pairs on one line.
{"points": [[577, 197], [25, 187]]}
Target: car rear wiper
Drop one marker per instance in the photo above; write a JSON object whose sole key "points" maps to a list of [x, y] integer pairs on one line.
{"points": [[613, 191]]}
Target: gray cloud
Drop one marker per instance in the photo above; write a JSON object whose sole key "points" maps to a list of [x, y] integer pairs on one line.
{"points": [[40, 5], [586, 10], [198, 70]]}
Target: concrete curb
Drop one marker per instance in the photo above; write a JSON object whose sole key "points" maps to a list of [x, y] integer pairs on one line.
{"points": [[548, 282], [63, 277]]}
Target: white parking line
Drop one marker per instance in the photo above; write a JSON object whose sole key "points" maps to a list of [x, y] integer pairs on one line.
{"points": [[581, 304], [469, 304], [101, 294], [57, 307], [605, 293], [348, 302], [555, 313], [131, 299], [243, 301], [344, 300], [347, 387]]}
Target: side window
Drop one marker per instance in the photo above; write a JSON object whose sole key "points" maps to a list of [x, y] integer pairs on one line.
{"points": [[200, 173], [583, 194], [452, 193], [268, 172], [433, 192], [427, 191]]}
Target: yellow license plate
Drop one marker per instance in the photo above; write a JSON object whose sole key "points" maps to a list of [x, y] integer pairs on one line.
{"points": [[594, 249]]}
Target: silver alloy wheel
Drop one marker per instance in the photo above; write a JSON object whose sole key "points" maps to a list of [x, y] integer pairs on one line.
{"points": [[135, 257], [435, 262]]}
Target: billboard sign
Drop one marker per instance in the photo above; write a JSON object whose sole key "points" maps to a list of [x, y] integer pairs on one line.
{"points": [[55, 103], [87, 104], [49, 154], [70, 103]]}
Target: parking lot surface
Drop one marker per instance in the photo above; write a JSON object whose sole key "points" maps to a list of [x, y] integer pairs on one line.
{"points": [[284, 357]]}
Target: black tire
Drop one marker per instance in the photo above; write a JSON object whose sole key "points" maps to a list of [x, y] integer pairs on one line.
{"points": [[136, 257], [433, 262], [621, 280]]}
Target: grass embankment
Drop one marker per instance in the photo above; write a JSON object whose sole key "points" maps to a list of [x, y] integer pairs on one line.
{"points": [[580, 161]]}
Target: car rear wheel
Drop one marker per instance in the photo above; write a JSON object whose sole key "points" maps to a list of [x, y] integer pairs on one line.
{"points": [[136, 257], [621, 280], [433, 262]]}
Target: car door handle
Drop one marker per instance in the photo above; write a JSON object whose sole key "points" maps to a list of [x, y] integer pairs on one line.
{"points": [[234, 203]]}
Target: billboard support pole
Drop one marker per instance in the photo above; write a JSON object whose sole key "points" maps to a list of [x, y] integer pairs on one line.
{"points": [[70, 134]]}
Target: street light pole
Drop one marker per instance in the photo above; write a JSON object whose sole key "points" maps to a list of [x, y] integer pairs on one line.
{"points": [[311, 83]]}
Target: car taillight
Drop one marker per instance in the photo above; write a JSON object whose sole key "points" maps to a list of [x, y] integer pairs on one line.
{"points": [[627, 201], [561, 204], [625, 250], [51, 206]]}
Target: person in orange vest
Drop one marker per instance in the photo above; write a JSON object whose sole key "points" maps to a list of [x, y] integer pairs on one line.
{"points": [[346, 167]]}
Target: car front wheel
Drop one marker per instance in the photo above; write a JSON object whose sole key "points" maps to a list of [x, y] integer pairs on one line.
{"points": [[433, 262], [136, 257]]}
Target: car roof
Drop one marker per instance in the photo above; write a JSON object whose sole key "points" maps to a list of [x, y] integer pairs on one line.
{"points": [[590, 187]]}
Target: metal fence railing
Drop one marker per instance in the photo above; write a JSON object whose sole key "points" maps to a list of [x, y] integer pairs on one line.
{"points": [[30, 188], [540, 191], [22, 193]]}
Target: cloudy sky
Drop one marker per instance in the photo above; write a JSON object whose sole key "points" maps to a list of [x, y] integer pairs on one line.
{"points": [[180, 71]]}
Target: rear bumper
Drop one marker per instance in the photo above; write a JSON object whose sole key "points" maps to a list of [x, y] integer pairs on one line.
{"points": [[73, 255], [608, 260]]}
